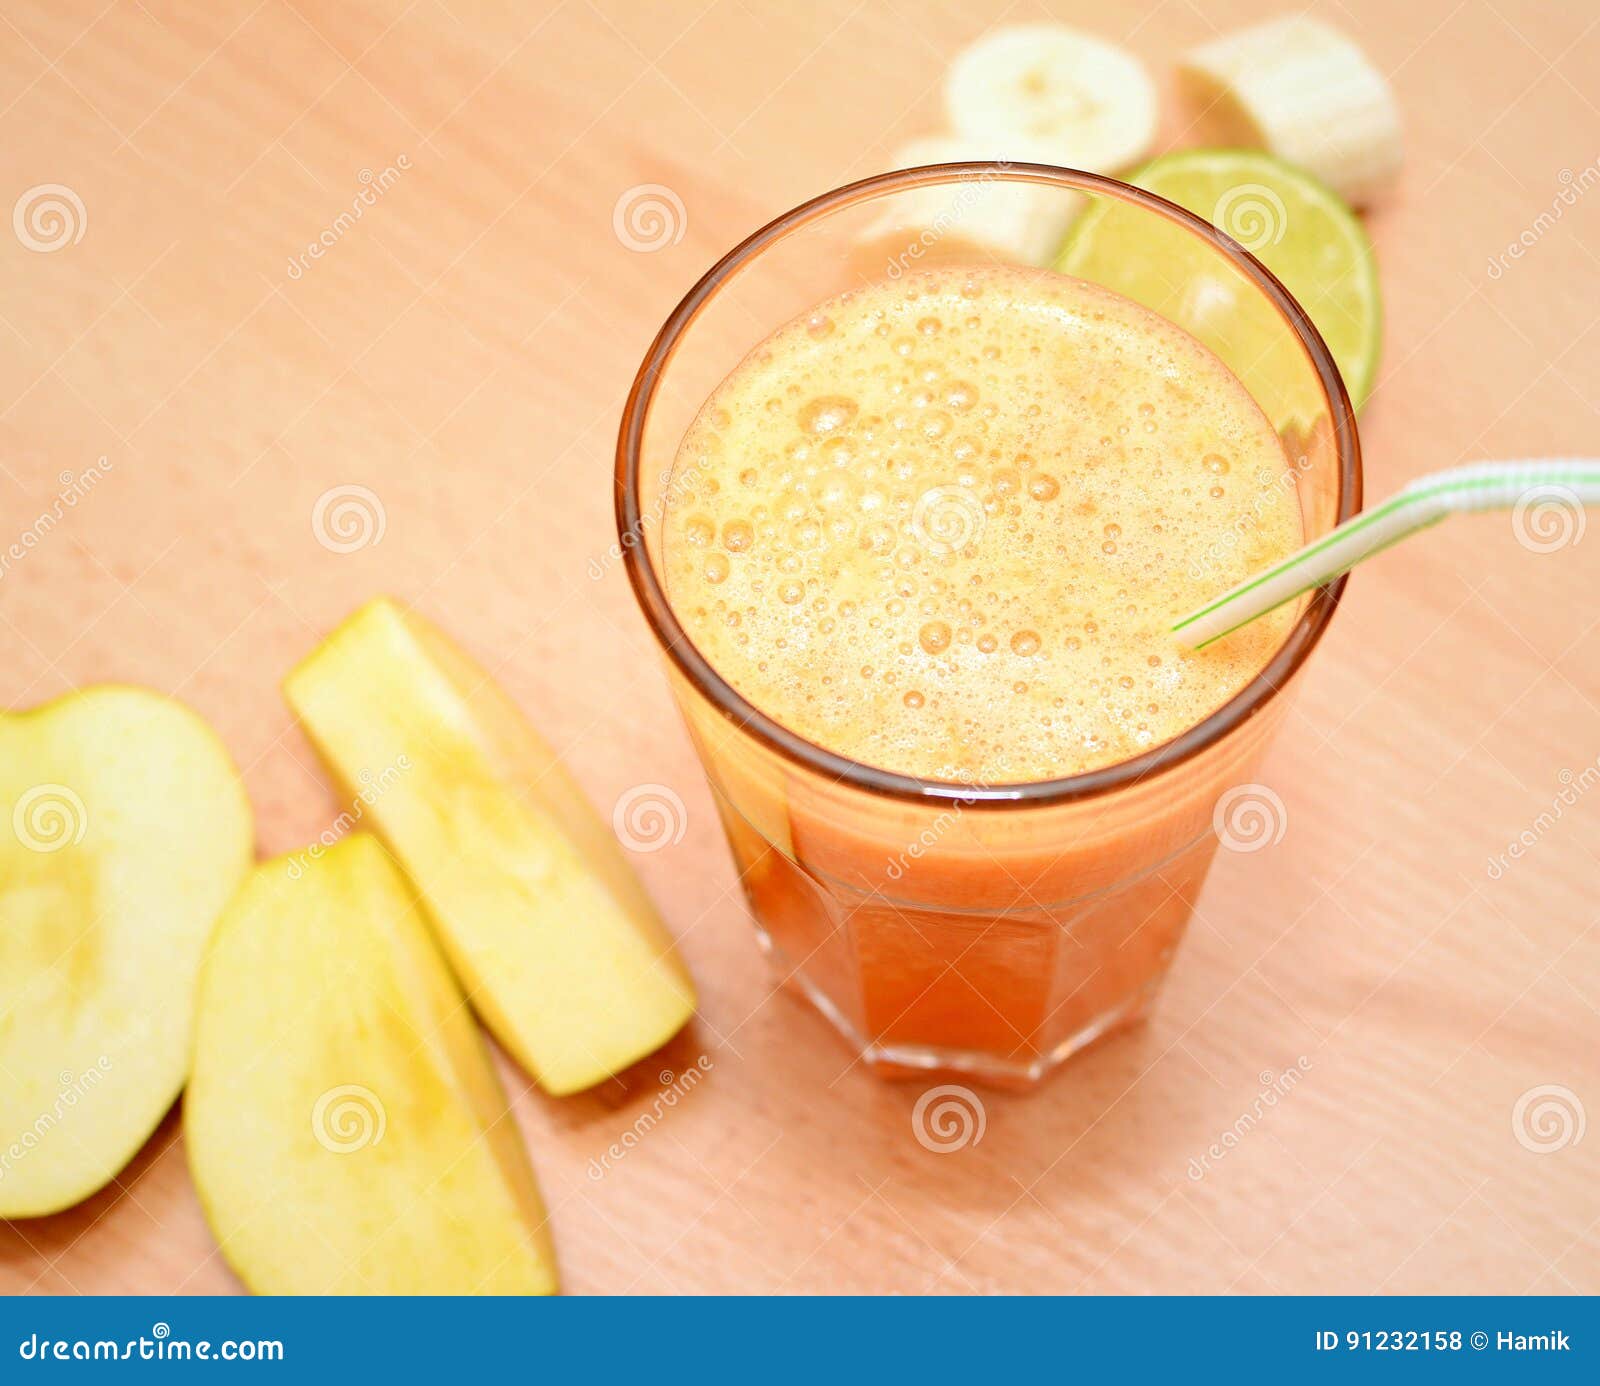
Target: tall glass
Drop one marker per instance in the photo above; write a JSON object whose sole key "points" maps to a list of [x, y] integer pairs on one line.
{"points": [[988, 930]]}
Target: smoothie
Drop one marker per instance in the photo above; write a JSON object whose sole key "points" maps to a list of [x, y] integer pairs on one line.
{"points": [[941, 526]]}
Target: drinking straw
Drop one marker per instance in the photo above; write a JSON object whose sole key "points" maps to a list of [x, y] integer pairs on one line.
{"points": [[1539, 492]]}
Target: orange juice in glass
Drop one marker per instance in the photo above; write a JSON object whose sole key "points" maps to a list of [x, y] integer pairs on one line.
{"points": [[913, 550]]}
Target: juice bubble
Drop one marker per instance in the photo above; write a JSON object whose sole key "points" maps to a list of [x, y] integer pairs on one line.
{"points": [[828, 414]]}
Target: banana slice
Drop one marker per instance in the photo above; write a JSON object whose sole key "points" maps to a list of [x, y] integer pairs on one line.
{"points": [[1093, 100], [1304, 91], [984, 218]]}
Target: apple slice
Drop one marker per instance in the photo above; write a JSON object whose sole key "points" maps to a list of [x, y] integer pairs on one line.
{"points": [[345, 1130], [123, 831], [548, 928]]}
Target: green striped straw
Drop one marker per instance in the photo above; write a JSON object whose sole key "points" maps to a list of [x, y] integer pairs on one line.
{"points": [[1542, 494]]}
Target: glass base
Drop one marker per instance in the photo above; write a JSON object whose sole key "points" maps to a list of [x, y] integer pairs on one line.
{"points": [[904, 1062]]}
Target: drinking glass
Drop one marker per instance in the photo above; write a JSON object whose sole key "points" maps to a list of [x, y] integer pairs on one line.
{"points": [[984, 930]]}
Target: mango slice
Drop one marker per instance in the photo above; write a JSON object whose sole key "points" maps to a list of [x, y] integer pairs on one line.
{"points": [[554, 938], [344, 1127], [123, 832]]}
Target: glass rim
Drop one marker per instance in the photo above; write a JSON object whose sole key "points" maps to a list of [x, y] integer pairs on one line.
{"points": [[686, 656]]}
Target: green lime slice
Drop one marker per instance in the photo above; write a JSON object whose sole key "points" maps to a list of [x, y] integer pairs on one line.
{"points": [[1295, 226]]}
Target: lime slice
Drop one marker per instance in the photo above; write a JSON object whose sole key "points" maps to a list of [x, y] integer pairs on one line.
{"points": [[1296, 227]]}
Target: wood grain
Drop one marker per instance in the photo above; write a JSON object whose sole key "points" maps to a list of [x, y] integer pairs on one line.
{"points": [[461, 350]]}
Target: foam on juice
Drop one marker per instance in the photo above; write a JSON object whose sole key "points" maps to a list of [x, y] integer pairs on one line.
{"points": [[942, 525]]}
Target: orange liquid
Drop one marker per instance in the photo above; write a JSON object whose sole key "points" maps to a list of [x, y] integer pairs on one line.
{"points": [[942, 526]]}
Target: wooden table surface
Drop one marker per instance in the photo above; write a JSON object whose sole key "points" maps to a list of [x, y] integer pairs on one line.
{"points": [[461, 352]]}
